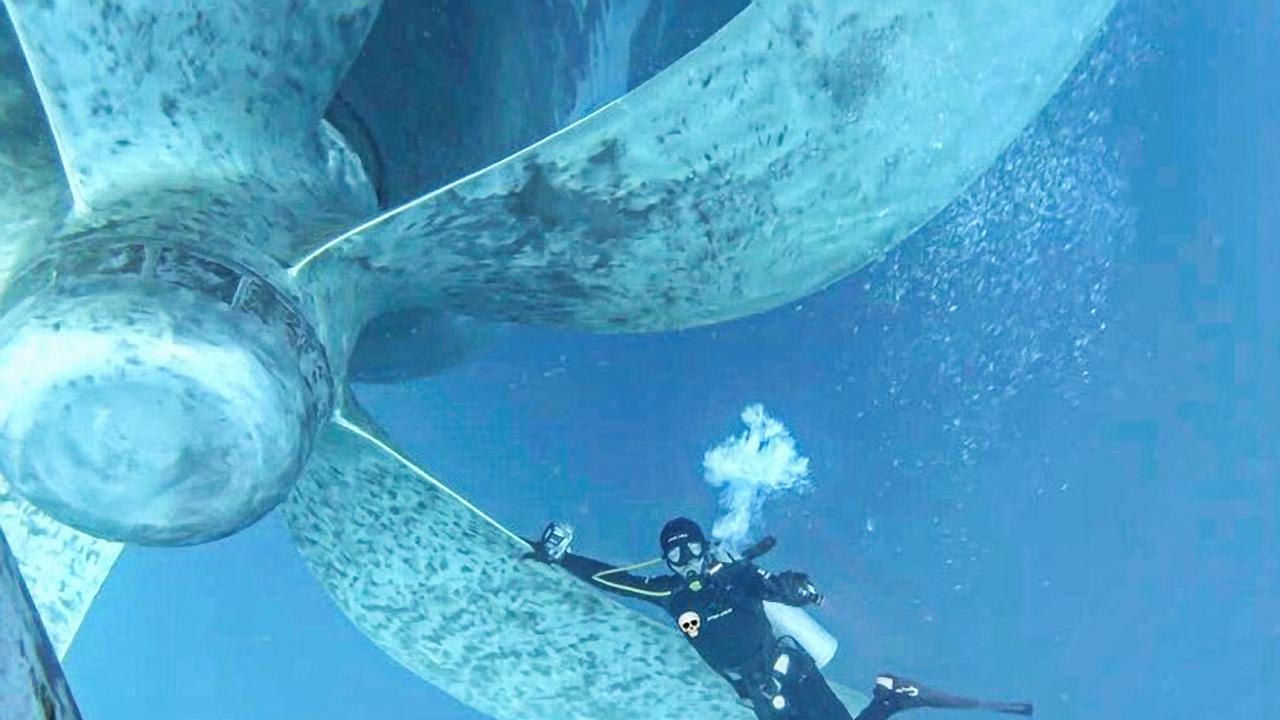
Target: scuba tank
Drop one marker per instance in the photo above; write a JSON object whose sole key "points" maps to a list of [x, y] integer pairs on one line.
{"points": [[789, 621]]}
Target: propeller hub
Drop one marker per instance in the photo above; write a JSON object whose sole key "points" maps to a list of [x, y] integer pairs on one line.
{"points": [[155, 395]]}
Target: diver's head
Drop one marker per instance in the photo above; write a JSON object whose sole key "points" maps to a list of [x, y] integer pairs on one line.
{"points": [[684, 547]]}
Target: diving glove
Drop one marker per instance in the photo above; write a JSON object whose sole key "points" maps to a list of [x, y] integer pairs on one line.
{"points": [[802, 588], [554, 542]]}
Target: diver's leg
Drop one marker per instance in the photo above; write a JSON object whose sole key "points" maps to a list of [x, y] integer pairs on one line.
{"points": [[816, 700], [893, 694], [790, 685], [880, 707]]}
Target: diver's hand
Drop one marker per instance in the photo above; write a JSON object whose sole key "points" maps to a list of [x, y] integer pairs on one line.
{"points": [[803, 590], [553, 544]]}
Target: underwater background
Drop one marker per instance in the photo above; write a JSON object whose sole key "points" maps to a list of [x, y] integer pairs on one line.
{"points": [[1041, 435]]}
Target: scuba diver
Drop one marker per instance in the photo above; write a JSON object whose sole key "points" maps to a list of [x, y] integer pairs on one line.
{"points": [[717, 601]]}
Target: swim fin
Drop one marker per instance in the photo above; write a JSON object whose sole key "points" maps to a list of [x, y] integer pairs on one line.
{"points": [[905, 694]]}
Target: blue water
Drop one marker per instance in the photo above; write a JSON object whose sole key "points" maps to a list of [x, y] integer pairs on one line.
{"points": [[1042, 435]]}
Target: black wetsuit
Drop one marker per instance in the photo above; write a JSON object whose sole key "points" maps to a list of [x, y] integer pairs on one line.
{"points": [[733, 634]]}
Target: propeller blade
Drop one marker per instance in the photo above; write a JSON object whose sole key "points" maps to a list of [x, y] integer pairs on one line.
{"points": [[34, 196], [801, 141], [31, 681], [64, 568], [145, 95]]}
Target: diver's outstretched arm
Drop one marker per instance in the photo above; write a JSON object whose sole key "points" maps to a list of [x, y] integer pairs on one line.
{"points": [[553, 548], [618, 580], [893, 694]]}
